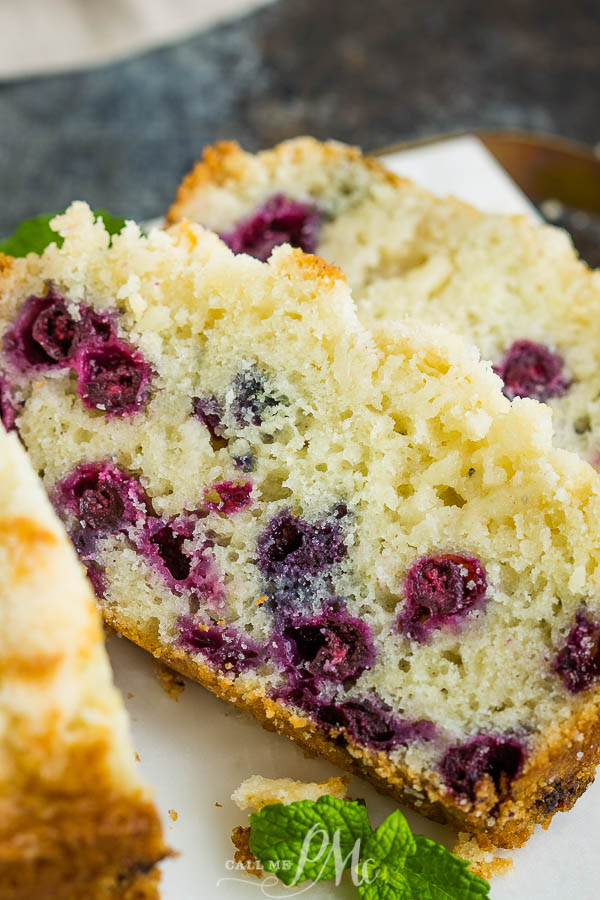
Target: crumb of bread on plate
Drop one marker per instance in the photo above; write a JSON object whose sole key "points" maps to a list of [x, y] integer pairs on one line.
{"points": [[172, 683], [257, 791]]}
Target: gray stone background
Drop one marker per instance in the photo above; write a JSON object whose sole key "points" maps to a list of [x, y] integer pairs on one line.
{"points": [[371, 73]]}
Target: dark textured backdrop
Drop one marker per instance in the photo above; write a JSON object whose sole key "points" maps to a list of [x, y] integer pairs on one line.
{"points": [[367, 72]]}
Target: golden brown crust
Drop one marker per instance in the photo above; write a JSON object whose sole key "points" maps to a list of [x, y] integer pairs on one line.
{"points": [[552, 780], [226, 163], [297, 263], [81, 848], [240, 838]]}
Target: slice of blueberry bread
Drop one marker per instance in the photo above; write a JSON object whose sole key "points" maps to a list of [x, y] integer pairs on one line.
{"points": [[76, 820], [516, 290], [358, 539]]}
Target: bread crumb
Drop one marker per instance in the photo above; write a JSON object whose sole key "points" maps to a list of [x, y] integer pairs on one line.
{"points": [[256, 791], [171, 682], [220, 805], [137, 757], [173, 815], [479, 852]]}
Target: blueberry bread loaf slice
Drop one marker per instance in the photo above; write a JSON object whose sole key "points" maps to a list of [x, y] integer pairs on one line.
{"points": [[359, 540], [76, 821], [516, 290]]}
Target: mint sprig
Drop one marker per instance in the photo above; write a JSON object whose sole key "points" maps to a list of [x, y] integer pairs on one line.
{"points": [[287, 839], [318, 840], [34, 235]]}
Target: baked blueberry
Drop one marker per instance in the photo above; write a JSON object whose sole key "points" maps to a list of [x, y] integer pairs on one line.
{"points": [[371, 723], [280, 220], [578, 661], [332, 646], [532, 370], [291, 547], [182, 559], [439, 591], [499, 757], [112, 376], [226, 648], [102, 497]]}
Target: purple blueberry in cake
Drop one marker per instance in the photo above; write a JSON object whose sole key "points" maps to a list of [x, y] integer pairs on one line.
{"points": [[532, 370], [499, 757], [112, 376], [97, 577], [8, 411], [280, 220], [578, 662], [332, 646], [252, 397], [439, 591], [182, 559], [228, 497], [43, 335], [225, 647], [47, 332], [246, 462], [292, 548], [371, 723], [102, 497]]}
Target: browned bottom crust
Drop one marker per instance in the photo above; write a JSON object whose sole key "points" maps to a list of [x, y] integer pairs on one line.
{"points": [[551, 781], [81, 848]]}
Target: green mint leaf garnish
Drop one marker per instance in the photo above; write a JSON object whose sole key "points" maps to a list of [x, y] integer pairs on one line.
{"points": [[378, 881], [34, 235], [391, 843], [309, 839], [318, 840], [31, 236], [434, 873], [113, 224]]}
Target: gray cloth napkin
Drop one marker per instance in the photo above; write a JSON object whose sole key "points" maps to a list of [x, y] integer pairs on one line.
{"points": [[42, 36]]}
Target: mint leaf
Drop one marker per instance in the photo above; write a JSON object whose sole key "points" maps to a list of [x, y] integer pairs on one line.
{"points": [[398, 866], [113, 224], [309, 839], [433, 873], [392, 842], [31, 236], [378, 881], [34, 235]]}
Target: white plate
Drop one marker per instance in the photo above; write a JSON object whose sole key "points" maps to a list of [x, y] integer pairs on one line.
{"points": [[197, 750]]}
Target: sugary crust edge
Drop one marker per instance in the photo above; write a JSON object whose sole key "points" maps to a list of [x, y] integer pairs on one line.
{"points": [[225, 163], [552, 780]]}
